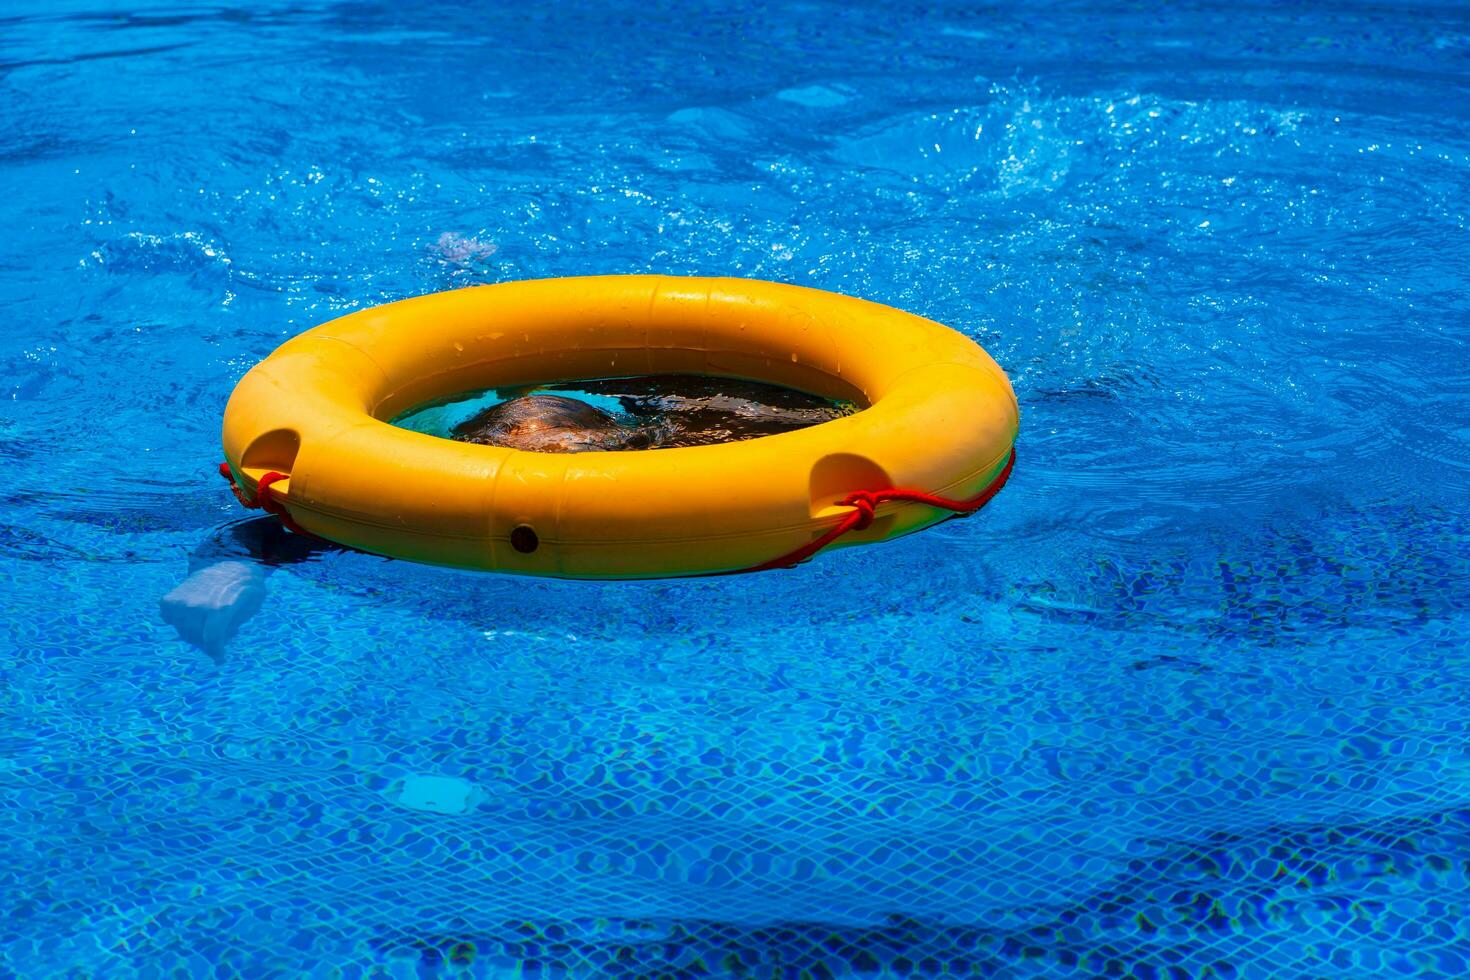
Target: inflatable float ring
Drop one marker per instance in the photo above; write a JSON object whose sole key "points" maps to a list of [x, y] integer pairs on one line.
{"points": [[937, 417]]}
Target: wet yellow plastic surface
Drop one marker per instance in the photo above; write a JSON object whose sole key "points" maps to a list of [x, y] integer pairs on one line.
{"points": [[940, 417]]}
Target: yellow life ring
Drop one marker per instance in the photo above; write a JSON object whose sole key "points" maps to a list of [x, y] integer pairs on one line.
{"points": [[937, 416]]}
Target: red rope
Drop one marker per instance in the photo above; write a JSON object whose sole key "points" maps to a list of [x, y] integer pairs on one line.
{"points": [[865, 503], [265, 499]]}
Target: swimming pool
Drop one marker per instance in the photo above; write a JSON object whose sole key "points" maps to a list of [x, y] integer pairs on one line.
{"points": [[1188, 699]]}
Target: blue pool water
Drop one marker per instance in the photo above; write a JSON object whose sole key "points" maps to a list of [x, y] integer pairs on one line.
{"points": [[1188, 700]]}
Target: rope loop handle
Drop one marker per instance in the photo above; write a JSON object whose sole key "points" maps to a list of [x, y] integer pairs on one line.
{"points": [[864, 504], [265, 498]]}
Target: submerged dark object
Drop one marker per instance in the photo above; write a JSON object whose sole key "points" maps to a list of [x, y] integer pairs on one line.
{"points": [[549, 424], [662, 412]]}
